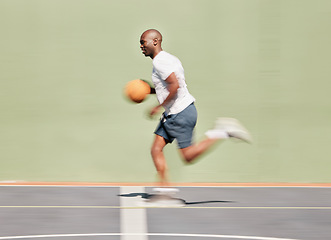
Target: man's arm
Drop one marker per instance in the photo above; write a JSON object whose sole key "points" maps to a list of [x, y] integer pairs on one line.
{"points": [[173, 86]]}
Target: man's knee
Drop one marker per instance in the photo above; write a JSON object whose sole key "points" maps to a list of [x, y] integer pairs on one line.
{"points": [[158, 145], [156, 149], [187, 155]]}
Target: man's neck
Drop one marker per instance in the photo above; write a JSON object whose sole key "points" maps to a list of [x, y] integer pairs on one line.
{"points": [[156, 53]]}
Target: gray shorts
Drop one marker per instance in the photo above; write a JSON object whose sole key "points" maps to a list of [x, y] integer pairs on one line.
{"points": [[178, 126]]}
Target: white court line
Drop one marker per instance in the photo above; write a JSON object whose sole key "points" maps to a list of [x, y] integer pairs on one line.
{"points": [[135, 235], [133, 219], [179, 207]]}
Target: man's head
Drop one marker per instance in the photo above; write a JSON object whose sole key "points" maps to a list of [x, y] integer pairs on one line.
{"points": [[150, 43]]}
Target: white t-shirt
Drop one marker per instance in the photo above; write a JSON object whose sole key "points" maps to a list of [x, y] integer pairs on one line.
{"points": [[163, 65]]}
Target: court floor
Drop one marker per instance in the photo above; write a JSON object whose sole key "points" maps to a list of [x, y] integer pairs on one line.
{"points": [[124, 213]]}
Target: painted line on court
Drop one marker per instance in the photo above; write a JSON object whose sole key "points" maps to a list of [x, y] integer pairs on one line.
{"points": [[133, 220], [146, 234], [144, 207]]}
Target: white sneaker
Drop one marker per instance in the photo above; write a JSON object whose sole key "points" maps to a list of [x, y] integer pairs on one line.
{"points": [[229, 127], [234, 129], [217, 134]]}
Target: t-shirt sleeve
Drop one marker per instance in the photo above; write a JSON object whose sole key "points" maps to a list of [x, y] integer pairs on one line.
{"points": [[164, 67]]}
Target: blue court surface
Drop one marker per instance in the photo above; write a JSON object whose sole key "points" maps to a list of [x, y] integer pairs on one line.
{"points": [[125, 213]]}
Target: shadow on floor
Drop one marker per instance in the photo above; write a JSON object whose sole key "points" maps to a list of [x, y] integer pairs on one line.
{"points": [[156, 196]]}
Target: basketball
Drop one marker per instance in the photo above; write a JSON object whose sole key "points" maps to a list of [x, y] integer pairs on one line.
{"points": [[137, 90]]}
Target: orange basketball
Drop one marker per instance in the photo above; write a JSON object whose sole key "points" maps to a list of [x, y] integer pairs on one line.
{"points": [[137, 90]]}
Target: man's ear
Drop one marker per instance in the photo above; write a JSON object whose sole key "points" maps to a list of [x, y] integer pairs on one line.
{"points": [[155, 41]]}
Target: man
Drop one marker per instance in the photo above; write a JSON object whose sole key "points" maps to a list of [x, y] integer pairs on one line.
{"points": [[180, 115]]}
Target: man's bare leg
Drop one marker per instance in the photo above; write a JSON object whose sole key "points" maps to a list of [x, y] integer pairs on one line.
{"points": [[159, 159], [224, 128], [192, 152]]}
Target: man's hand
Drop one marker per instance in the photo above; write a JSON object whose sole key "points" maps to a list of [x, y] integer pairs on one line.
{"points": [[150, 85], [154, 110]]}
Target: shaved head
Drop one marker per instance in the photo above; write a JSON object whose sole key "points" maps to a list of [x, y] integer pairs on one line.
{"points": [[150, 42], [153, 34]]}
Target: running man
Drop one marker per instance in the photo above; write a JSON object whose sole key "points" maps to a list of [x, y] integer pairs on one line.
{"points": [[180, 115]]}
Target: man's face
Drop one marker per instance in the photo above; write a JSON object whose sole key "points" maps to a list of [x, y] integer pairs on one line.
{"points": [[146, 45]]}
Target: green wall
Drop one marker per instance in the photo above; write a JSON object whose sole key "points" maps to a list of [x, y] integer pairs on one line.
{"points": [[64, 64]]}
